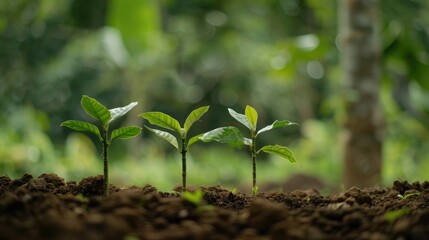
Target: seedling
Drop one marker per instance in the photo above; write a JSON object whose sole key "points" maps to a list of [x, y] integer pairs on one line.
{"points": [[81, 198], [233, 137], [105, 117], [166, 121], [403, 197], [391, 216], [196, 198]]}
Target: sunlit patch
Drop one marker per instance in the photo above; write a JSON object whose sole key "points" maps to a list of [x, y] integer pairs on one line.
{"points": [[279, 62], [315, 69], [216, 18], [307, 42]]}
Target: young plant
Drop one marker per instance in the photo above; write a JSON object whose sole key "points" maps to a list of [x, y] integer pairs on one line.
{"points": [[391, 216], [105, 117], [196, 198], [233, 136], [165, 121], [403, 197]]}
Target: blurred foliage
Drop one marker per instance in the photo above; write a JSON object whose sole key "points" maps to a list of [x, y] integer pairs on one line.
{"points": [[280, 56]]}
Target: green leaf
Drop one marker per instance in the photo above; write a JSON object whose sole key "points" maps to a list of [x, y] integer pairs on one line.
{"points": [[230, 135], [193, 117], [247, 141], [162, 120], [281, 151], [166, 136], [240, 117], [276, 124], [252, 116], [391, 216], [255, 190], [194, 197], [403, 197], [95, 109], [125, 132], [120, 111], [82, 126], [193, 140]]}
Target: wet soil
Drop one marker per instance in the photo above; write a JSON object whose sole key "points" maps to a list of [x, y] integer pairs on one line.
{"points": [[46, 207]]}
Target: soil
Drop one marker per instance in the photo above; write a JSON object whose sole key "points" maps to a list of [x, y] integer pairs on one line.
{"points": [[46, 207]]}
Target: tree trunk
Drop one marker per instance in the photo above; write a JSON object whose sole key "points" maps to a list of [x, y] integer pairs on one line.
{"points": [[360, 55]]}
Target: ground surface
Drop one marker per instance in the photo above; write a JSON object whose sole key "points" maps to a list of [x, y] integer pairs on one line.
{"points": [[48, 208]]}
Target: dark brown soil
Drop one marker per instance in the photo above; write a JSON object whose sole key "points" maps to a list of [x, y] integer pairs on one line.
{"points": [[48, 208]]}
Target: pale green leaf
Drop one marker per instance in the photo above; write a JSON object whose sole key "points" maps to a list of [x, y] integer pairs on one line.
{"points": [[276, 124], [230, 135], [95, 109], [162, 120], [120, 111], [247, 141], [194, 139], [403, 197], [193, 117], [125, 132], [278, 150], [252, 116], [240, 117], [166, 136], [82, 126]]}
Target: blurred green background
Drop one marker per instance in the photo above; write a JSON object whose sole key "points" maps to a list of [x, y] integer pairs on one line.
{"points": [[280, 56]]}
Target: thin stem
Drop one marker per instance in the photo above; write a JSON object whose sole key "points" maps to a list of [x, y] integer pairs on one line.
{"points": [[106, 163], [253, 150], [183, 152]]}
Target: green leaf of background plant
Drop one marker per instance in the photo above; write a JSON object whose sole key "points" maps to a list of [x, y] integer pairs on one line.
{"points": [[95, 109], [240, 117], [276, 124], [252, 116], [125, 132], [120, 111], [82, 126], [278, 150], [166, 136], [230, 135], [162, 120], [193, 117], [193, 140]]}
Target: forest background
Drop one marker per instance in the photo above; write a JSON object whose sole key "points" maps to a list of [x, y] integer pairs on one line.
{"points": [[280, 56]]}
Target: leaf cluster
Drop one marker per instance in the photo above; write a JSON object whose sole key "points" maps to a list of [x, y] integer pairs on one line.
{"points": [[169, 123], [105, 117], [235, 138]]}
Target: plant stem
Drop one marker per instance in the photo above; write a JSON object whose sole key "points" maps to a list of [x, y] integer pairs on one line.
{"points": [[106, 163], [253, 150], [183, 152]]}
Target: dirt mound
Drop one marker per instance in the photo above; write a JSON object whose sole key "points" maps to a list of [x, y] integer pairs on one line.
{"points": [[46, 207]]}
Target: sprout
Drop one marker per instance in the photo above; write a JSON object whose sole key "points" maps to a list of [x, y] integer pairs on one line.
{"points": [[104, 117]]}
